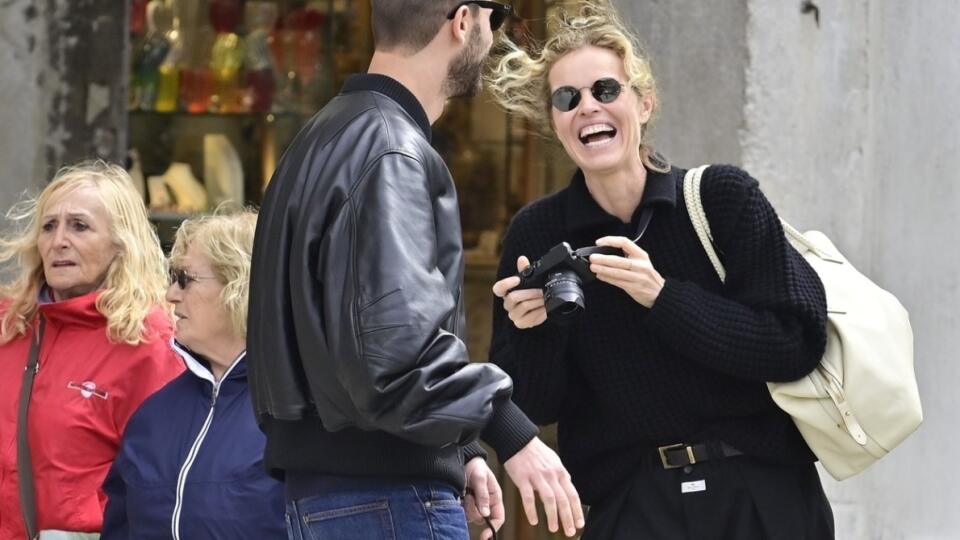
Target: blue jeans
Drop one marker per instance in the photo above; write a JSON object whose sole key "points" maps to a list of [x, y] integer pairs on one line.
{"points": [[371, 509]]}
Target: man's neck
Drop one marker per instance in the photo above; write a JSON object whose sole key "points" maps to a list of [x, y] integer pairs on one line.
{"points": [[422, 78]]}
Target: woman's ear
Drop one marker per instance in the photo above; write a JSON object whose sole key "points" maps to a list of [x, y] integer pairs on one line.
{"points": [[646, 108]]}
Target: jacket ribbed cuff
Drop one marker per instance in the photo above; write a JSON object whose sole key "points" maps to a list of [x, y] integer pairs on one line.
{"points": [[473, 450], [508, 431]]}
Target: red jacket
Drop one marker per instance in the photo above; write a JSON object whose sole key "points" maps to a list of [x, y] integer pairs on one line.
{"points": [[84, 392]]}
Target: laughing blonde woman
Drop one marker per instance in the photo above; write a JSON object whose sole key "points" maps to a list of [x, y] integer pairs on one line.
{"points": [[657, 378]]}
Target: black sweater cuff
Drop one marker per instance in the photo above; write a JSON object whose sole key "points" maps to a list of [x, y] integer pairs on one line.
{"points": [[671, 309], [508, 431]]}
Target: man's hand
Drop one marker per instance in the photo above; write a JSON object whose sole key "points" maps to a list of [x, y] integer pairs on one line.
{"points": [[537, 468], [484, 497]]}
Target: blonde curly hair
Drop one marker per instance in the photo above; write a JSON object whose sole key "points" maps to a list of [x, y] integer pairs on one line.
{"points": [[136, 278], [226, 240], [519, 81]]}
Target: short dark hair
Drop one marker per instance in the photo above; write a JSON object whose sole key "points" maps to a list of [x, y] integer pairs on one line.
{"points": [[408, 24]]}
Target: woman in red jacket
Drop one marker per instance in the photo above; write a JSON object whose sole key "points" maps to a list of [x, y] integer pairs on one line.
{"points": [[89, 290]]}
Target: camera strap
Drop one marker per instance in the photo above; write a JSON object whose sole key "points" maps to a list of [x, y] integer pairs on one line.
{"points": [[645, 217]]}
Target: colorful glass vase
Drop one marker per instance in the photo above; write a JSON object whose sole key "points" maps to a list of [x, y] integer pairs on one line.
{"points": [[260, 17], [147, 59]]}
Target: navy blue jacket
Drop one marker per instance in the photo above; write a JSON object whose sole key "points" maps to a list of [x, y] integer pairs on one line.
{"points": [[191, 464]]}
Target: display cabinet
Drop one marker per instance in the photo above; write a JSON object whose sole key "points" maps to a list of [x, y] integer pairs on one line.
{"points": [[218, 88]]}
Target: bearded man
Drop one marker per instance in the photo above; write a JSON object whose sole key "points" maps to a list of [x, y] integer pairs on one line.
{"points": [[358, 370]]}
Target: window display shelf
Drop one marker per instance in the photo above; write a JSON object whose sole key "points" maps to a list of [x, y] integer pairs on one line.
{"points": [[268, 116]]}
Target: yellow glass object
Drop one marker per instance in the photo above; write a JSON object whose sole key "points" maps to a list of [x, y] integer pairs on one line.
{"points": [[168, 88], [226, 59]]}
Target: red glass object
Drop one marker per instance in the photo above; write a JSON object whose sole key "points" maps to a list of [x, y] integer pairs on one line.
{"points": [[225, 15], [261, 85], [138, 17], [196, 88], [306, 54]]}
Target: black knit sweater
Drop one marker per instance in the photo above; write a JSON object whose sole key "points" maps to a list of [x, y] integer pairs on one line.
{"points": [[622, 379]]}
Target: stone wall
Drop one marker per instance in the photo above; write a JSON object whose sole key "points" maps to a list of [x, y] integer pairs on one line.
{"points": [[698, 52]]}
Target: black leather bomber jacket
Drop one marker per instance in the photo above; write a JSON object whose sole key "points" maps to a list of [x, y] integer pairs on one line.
{"points": [[356, 309]]}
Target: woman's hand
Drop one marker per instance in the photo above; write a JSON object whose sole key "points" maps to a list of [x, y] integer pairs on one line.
{"points": [[633, 273], [525, 307]]}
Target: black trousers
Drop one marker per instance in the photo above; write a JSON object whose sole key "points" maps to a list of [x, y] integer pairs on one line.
{"points": [[737, 498]]}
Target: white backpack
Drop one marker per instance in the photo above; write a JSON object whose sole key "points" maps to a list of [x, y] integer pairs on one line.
{"points": [[862, 400]]}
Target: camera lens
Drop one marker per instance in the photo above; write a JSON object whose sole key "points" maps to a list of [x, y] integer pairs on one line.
{"points": [[562, 294]]}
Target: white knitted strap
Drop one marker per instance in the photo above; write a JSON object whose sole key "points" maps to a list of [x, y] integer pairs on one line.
{"points": [[698, 217], [803, 244]]}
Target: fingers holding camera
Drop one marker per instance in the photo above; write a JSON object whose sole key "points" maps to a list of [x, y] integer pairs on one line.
{"points": [[634, 272], [502, 287], [525, 307], [505, 285]]}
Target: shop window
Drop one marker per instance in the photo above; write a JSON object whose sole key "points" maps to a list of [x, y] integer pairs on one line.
{"points": [[218, 88]]}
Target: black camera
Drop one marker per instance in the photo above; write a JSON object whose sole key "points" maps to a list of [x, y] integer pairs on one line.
{"points": [[560, 273]]}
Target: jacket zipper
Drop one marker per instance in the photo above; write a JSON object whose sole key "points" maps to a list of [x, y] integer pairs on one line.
{"points": [[191, 457]]}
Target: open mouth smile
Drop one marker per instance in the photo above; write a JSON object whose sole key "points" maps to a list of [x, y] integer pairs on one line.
{"points": [[597, 135]]}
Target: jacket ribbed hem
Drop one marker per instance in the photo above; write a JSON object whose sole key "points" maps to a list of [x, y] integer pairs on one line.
{"points": [[304, 446]]}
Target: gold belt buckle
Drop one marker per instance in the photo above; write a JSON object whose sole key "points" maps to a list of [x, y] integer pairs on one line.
{"points": [[663, 455]]}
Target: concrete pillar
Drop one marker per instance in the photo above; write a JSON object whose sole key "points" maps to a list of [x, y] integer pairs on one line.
{"points": [[64, 76], [23, 116], [87, 89]]}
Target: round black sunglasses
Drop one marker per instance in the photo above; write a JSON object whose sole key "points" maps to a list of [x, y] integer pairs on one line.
{"points": [[497, 16], [566, 98]]}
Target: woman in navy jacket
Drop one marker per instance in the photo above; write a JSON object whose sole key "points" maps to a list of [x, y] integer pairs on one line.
{"points": [[190, 465]]}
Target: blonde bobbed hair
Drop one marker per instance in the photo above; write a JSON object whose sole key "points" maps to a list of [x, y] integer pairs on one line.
{"points": [[519, 80], [226, 240], [136, 278]]}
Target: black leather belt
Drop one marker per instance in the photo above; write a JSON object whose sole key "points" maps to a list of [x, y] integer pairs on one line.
{"points": [[674, 456]]}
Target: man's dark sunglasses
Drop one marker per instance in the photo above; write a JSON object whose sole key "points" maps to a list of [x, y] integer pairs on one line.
{"points": [[497, 16], [566, 98]]}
